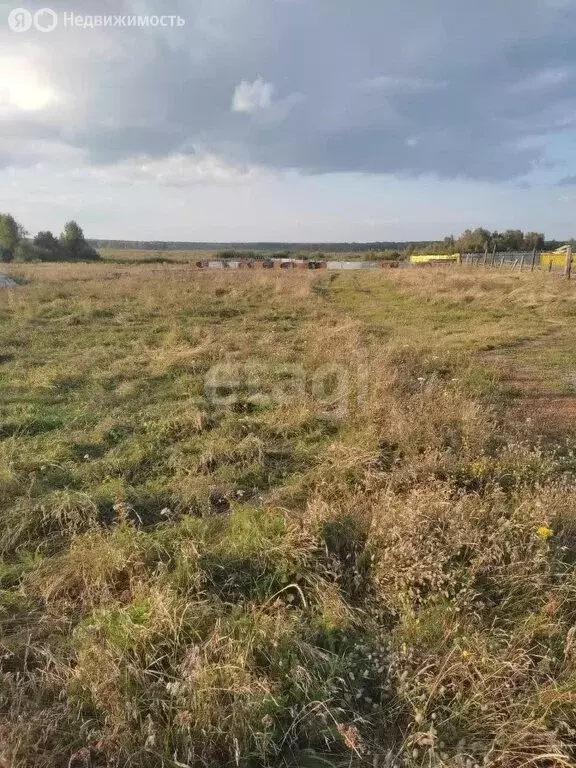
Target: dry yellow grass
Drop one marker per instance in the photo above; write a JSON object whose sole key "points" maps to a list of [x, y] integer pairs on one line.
{"points": [[268, 519]]}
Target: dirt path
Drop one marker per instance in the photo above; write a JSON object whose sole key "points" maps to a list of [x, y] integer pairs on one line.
{"points": [[540, 377]]}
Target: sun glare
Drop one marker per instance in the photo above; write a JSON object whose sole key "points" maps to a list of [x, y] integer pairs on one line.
{"points": [[21, 86]]}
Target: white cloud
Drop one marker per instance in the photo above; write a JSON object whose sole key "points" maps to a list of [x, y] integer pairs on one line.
{"points": [[252, 97], [257, 99], [177, 170]]}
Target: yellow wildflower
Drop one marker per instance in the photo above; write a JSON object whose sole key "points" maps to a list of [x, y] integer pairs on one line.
{"points": [[478, 468], [544, 532]]}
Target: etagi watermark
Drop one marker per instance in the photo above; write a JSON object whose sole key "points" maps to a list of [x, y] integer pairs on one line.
{"points": [[330, 389], [46, 20]]}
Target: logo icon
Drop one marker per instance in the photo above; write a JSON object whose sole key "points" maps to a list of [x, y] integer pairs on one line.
{"points": [[19, 20], [45, 20]]}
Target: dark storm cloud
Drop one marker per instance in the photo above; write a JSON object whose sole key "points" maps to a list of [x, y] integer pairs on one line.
{"points": [[409, 87]]}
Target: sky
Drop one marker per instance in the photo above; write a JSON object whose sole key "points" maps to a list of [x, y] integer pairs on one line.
{"points": [[290, 120]]}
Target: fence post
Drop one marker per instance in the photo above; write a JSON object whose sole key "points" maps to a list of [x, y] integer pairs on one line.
{"points": [[533, 259], [486, 253], [550, 266], [568, 266], [501, 262], [494, 255], [522, 263]]}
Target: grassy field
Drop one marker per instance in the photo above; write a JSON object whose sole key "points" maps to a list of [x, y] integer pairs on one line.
{"points": [[300, 520]]}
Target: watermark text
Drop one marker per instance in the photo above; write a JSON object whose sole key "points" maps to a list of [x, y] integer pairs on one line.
{"points": [[47, 20]]}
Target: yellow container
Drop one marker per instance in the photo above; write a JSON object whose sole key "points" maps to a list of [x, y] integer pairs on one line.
{"points": [[557, 259], [424, 258]]}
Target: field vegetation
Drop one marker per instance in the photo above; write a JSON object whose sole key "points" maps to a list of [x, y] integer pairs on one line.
{"points": [[286, 519], [15, 245], [162, 256]]}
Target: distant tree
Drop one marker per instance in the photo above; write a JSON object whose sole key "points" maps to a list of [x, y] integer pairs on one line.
{"points": [[512, 240], [25, 251], [473, 240], [72, 239], [386, 255], [11, 234], [534, 240], [74, 245], [47, 247], [46, 240], [231, 253], [449, 244], [495, 239]]}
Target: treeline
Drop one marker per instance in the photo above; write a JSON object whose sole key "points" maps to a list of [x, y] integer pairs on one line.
{"points": [[16, 245], [480, 239], [267, 248], [512, 240], [472, 240]]}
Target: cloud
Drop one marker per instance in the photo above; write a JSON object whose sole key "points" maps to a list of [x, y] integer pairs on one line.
{"points": [[257, 99], [251, 97], [442, 88], [178, 170], [567, 181]]}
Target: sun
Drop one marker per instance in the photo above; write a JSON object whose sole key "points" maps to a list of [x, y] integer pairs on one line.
{"points": [[21, 87]]}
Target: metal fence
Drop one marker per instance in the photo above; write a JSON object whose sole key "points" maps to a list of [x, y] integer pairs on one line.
{"points": [[520, 259]]}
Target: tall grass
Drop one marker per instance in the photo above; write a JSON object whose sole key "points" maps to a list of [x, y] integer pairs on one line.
{"points": [[381, 575]]}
